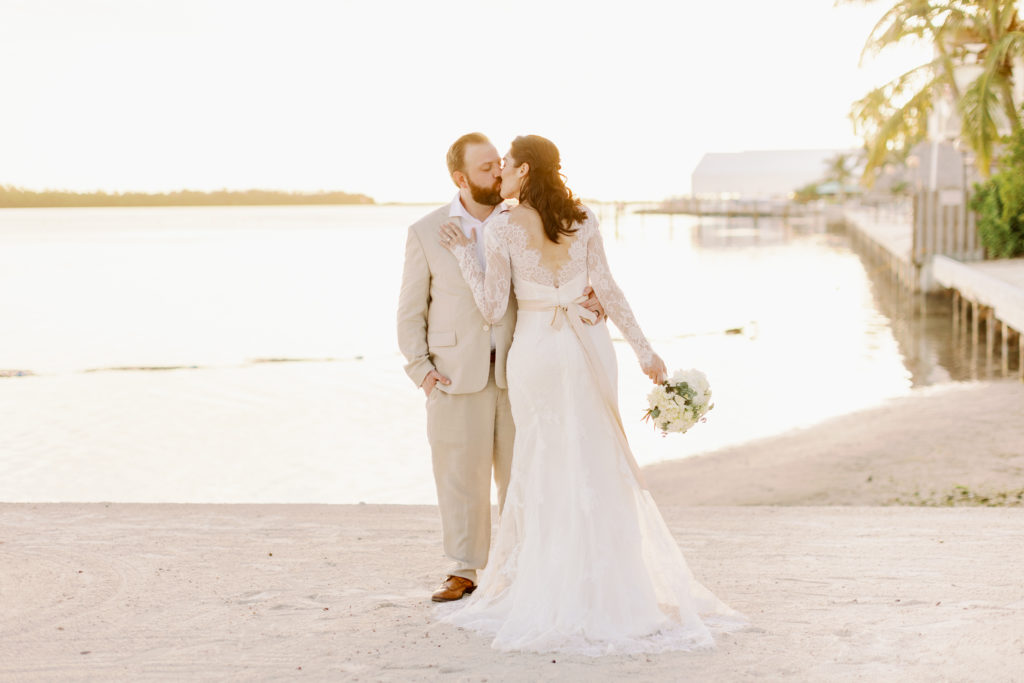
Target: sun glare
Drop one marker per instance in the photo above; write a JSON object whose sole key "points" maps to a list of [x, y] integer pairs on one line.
{"points": [[319, 95]]}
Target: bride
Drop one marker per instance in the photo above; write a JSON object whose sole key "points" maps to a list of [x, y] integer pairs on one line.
{"points": [[583, 561]]}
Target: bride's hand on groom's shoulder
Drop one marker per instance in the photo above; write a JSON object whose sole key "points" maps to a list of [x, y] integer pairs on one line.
{"points": [[451, 236], [656, 370]]}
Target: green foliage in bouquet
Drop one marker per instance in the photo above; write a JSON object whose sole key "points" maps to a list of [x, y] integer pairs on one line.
{"points": [[999, 202], [683, 390], [677, 404]]}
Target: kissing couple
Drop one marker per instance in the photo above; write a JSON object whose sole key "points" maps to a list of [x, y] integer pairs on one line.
{"points": [[501, 320]]}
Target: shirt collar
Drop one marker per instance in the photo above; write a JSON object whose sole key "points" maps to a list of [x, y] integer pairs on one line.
{"points": [[456, 209]]}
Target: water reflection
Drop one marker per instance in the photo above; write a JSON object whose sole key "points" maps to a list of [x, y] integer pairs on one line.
{"points": [[790, 324], [813, 344], [749, 232], [933, 348]]}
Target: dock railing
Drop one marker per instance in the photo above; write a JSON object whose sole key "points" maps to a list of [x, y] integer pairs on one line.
{"points": [[943, 224], [709, 206]]}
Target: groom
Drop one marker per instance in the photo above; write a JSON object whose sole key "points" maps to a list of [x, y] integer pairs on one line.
{"points": [[459, 362]]}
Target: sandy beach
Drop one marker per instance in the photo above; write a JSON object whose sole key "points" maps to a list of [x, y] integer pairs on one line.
{"points": [[798, 531], [236, 592], [914, 450]]}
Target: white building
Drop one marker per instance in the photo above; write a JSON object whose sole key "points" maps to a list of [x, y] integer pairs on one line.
{"points": [[767, 174]]}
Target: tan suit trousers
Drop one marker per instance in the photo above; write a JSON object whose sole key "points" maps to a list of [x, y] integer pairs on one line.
{"points": [[469, 434]]}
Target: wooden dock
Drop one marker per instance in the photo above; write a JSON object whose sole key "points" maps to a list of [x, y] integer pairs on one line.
{"points": [[885, 239], [730, 208], [988, 296], [991, 292]]}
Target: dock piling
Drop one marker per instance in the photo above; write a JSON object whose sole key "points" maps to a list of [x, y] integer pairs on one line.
{"points": [[963, 317], [1004, 348], [990, 339], [975, 323], [956, 314]]}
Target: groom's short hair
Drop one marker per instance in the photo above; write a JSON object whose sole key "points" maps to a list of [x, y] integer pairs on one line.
{"points": [[457, 152]]}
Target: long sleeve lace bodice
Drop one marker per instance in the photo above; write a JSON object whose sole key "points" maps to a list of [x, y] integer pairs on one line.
{"points": [[506, 251], [490, 290], [612, 298]]}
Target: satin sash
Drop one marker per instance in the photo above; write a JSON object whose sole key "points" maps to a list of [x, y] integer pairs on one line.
{"points": [[575, 314]]}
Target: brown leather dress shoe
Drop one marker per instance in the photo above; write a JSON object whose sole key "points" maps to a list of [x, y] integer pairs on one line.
{"points": [[453, 588]]}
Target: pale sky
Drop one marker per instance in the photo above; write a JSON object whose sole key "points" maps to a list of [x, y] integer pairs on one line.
{"points": [[366, 96]]}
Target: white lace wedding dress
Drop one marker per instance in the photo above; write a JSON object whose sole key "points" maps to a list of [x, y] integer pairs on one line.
{"points": [[582, 561]]}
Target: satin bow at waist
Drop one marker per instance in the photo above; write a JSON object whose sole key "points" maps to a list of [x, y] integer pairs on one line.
{"points": [[572, 310]]}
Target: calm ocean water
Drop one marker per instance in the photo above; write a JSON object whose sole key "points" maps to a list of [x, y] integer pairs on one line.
{"points": [[289, 387]]}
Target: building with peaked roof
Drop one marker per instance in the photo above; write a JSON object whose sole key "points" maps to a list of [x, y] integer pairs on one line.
{"points": [[760, 174]]}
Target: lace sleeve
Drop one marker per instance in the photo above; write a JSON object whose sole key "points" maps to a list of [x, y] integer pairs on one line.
{"points": [[490, 291], [612, 298]]}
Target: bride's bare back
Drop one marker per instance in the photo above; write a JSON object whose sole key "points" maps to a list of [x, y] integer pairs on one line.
{"points": [[553, 257]]}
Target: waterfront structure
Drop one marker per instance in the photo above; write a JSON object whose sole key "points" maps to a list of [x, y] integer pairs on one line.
{"points": [[759, 174], [988, 296]]}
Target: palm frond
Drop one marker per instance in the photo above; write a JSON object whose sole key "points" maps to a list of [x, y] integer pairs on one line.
{"points": [[913, 19], [979, 126], [897, 131]]}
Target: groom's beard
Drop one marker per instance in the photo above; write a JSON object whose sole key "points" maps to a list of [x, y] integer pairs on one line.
{"points": [[488, 196]]}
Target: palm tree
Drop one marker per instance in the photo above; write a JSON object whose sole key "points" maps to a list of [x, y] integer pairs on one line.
{"points": [[988, 101], [931, 20], [839, 169], [893, 117]]}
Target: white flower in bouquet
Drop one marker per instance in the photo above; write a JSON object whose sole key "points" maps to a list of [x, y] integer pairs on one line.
{"points": [[679, 403]]}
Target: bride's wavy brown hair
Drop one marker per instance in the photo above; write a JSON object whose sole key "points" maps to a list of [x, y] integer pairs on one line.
{"points": [[544, 187]]}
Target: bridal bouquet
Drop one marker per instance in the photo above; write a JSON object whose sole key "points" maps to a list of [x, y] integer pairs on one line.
{"points": [[679, 403]]}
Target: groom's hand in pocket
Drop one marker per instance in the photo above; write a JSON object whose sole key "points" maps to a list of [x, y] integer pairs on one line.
{"points": [[432, 378]]}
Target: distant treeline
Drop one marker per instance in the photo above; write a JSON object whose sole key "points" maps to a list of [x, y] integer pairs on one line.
{"points": [[14, 197]]}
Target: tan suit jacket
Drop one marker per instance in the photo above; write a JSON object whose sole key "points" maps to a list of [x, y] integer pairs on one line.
{"points": [[439, 325]]}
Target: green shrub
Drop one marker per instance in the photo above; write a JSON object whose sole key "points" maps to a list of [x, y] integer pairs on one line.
{"points": [[807, 193], [999, 203]]}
